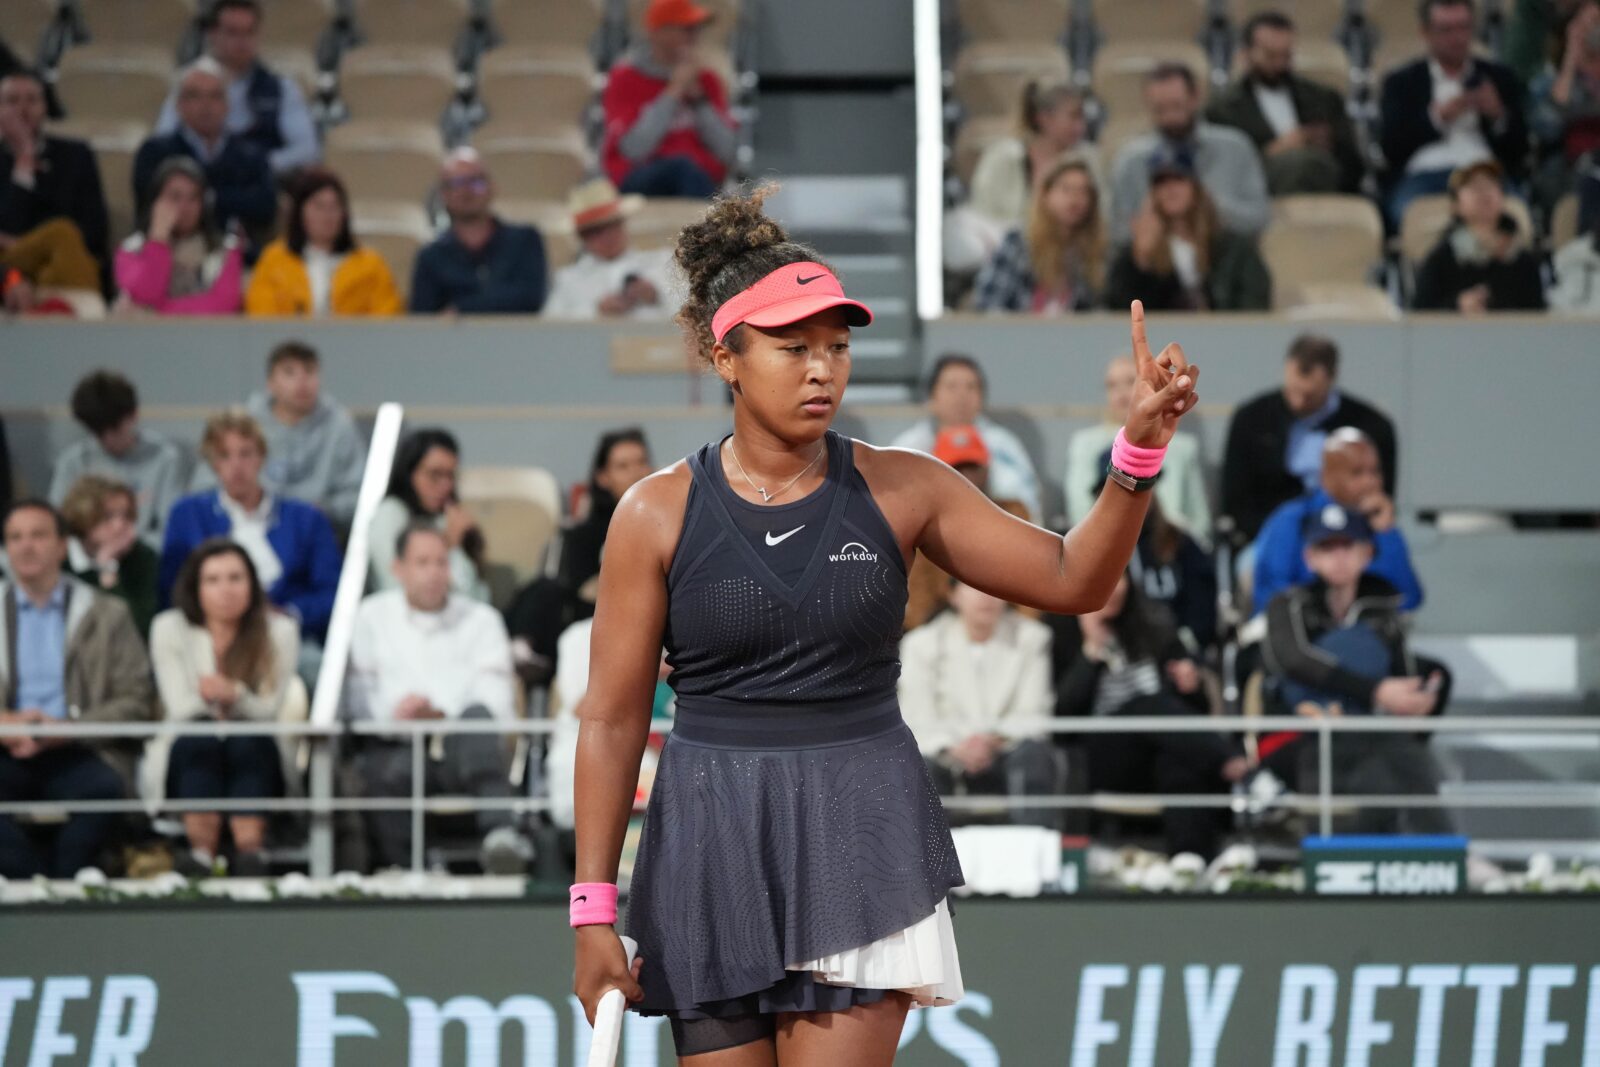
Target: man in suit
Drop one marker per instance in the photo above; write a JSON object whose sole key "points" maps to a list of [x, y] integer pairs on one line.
{"points": [[42, 177], [1448, 109], [236, 170], [1275, 441], [1305, 137]]}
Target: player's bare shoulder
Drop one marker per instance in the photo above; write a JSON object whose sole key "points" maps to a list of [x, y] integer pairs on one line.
{"points": [[651, 512]]}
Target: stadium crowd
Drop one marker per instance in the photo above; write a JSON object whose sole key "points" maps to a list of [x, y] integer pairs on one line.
{"points": [[1217, 204], [145, 586], [142, 589]]}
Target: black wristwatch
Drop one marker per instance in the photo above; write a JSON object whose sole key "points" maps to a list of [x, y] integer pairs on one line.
{"points": [[1128, 481]]}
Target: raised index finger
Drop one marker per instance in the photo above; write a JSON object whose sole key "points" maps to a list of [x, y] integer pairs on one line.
{"points": [[1141, 346]]}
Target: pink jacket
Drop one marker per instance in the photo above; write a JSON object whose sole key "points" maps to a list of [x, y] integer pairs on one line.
{"points": [[144, 268]]}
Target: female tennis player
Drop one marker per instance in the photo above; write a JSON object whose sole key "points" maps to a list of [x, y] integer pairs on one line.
{"points": [[789, 892]]}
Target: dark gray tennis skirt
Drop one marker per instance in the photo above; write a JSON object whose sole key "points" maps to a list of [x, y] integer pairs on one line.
{"points": [[779, 834]]}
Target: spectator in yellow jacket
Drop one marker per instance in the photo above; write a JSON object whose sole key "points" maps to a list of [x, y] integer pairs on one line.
{"points": [[317, 268]]}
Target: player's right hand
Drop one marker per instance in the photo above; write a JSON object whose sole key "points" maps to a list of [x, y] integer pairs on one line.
{"points": [[602, 965]]}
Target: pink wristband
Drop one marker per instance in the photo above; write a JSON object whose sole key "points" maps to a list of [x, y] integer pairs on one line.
{"points": [[1132, 459], [592, 904]]}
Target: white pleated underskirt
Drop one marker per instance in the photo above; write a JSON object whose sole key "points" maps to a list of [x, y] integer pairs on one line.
{"points": [[920, 960]]}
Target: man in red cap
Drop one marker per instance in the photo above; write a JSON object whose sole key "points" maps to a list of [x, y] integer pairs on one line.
{"points": [[668, 130]]}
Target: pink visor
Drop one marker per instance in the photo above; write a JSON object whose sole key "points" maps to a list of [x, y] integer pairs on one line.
{"points": [[790, 293]]}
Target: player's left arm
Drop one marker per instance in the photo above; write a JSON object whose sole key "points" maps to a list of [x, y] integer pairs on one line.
{"points": [[967, 535]]}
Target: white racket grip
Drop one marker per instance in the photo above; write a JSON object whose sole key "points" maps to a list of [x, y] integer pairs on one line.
{"points": [[608, 1018]]}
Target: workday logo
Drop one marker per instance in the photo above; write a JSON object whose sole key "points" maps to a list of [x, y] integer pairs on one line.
{"points": [[854, 552]]}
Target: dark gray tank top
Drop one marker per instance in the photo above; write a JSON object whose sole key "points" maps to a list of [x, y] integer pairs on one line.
{"points": [[785, 603]]}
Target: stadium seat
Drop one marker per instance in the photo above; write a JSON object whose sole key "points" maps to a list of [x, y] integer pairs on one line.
{"points": [[298, 64], [294, 23], [1314, 20], [1120, 68], [533, 159], [386, 160], [424, 23], [554, 224], [1334, 300], [1564, 221], [115, 81], [718, 33], [395, 229], [1161, 20], [661, 218], [974, 136], [1323, 61], [1113, 135], [23, 22], [1013, 20], [550, 22], [115, 143], [154, 22], [397, 81], [530, 81], [519, 510], [1429, 216], [1321, 238], [989, 77], [1394, 23]]}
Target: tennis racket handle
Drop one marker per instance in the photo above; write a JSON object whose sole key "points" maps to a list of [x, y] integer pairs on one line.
{"points": [[608, 1019]]}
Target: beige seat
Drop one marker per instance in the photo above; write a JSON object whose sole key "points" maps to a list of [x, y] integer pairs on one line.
{"points": [[553, 221], [297, 64], [1314, 20], [424, 23], [23, 23], [1164, 20], [1564, 221], [386, 160], [395, 229], [532, 159], [717, 33], [294, 23], [115, 81], [1321, 238], [1113, 135], [662, 218], [1013, 20], [532, 81], [1334, 300], [1120, 68], [155, 22], [990, 76], [519, 510], [397, 81], [115, 143], [975, 135], [1323, 61], [573, 22], [1427, 217]]}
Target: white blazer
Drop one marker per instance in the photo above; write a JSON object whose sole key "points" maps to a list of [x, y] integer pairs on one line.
{"points": [[182, 654], [944, 696]]}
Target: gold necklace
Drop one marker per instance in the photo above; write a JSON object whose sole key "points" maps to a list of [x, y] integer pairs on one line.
{"points": [[767, 497]]}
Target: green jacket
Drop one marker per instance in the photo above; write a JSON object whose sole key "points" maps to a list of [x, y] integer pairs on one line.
{"points": [[1315, 104], [1238, 280], [137, 575]]}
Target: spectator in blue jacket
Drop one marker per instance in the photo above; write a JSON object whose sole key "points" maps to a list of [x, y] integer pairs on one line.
{"points": [[290, 542], [481, 265], [1351, 478], [237, 172]]}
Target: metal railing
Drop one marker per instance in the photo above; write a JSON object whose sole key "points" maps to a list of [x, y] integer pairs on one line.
{"points": [[320, 801]]}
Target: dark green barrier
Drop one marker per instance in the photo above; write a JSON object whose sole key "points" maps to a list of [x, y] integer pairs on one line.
{"points": [[1144, 983]]}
